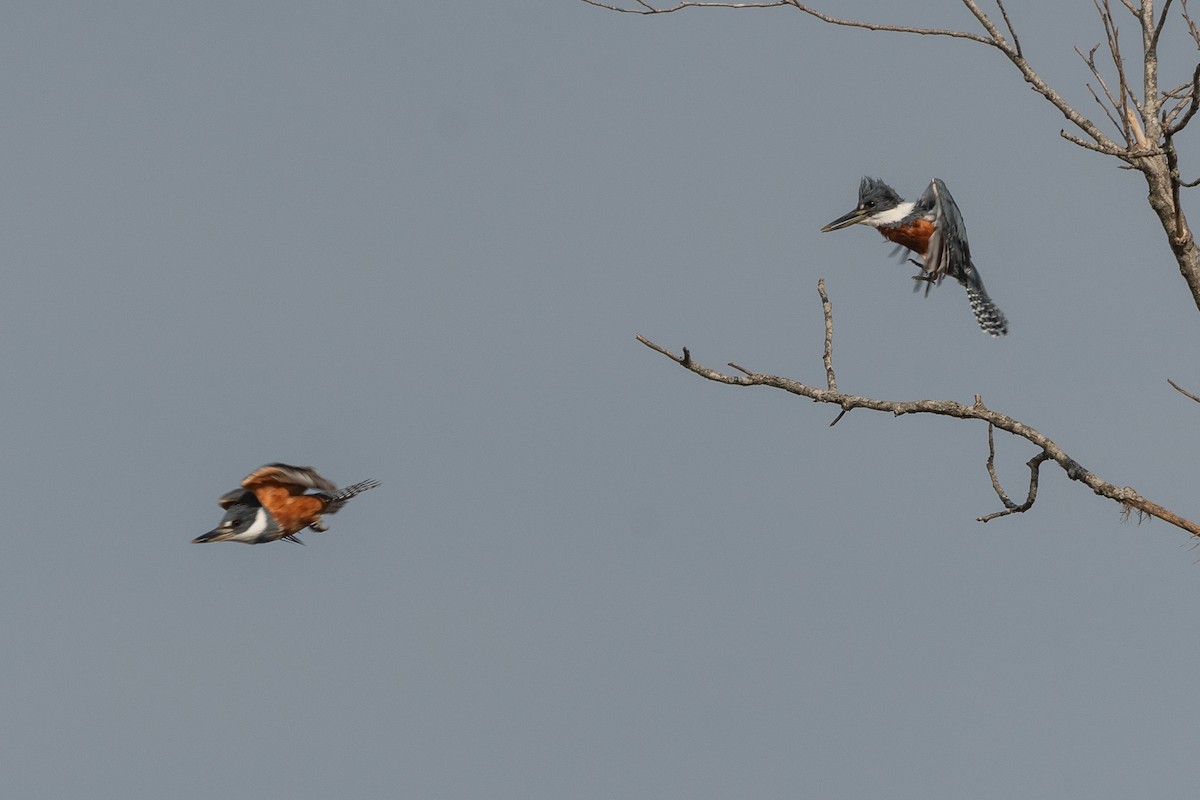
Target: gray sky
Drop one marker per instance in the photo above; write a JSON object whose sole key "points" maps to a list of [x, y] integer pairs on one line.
{"points": [[413, 242]]}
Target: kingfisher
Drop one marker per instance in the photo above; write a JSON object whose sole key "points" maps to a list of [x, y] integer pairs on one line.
{"points": [[273, 503], [932, 228]]}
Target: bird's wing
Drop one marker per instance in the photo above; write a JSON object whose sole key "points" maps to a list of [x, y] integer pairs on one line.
{"points": [[237, 497], [280, 488], [949, 252], [292, 479]]}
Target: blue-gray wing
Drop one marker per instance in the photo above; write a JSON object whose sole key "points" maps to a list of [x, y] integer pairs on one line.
{"points": [[237, 497], [949, 253]]}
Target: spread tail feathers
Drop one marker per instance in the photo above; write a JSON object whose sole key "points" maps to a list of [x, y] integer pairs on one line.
{"points": [[339, 499]]}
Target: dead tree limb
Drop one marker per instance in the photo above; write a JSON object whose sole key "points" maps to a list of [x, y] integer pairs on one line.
{"points": [[646, 8], [1182, 391], [1128, 498]]}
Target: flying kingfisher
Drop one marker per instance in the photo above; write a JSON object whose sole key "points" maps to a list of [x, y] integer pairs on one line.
{"points": [[933, 228], [272, 503]]}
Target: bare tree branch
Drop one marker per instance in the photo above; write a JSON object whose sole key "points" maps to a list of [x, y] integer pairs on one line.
{"points": [[1192, 29], [995, 38], [1123, 124], [1008, 24], [1010, 507], [1182, 95], [1126, 496], [1182, 236], [1114, 150], [1171, 130], [873, 26], [647, 9], [1133, 131], [1150, 97], [827, 356], [1162, 20], [1182, 391]]}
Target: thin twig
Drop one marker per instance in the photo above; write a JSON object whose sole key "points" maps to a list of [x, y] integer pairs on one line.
{"points": [[1192, 29], [1162, 20], [1108, 150], [994, 38], [991, 466], [1090, 60], [1171, 130], [1182, 391], [875, 26], [1008, 24], [649, 9], [1112, 38], [827, 356], [1034, 465]]}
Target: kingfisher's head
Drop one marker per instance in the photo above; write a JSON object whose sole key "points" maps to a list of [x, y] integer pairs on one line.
{"points": [[249, 524], [875, 199]]}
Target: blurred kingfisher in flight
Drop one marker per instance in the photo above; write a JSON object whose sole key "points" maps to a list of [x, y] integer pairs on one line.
{"points": [[273, 503]]}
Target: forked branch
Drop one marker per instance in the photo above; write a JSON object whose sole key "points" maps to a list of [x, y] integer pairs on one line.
{"points": [[1034, 465], [1126, 496]]}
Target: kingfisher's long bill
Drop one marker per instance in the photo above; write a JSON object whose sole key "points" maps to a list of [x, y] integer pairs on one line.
{"points": [[273, 503], [846, 220], [933, 229]]}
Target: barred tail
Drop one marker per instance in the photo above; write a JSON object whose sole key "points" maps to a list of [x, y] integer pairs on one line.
{"points": [[339, 499], [989, 317]]}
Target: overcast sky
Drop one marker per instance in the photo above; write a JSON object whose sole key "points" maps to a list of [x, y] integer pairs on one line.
{"points": [[414, 242]]}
